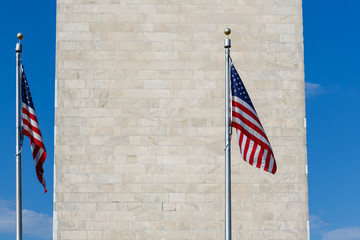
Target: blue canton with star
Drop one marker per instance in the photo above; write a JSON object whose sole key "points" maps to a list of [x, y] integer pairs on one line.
{"points": [[238, 88], [26, 96]]}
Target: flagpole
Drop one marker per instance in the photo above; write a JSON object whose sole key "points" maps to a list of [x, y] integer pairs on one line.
{"points": [[18, 50], [227, 46]]}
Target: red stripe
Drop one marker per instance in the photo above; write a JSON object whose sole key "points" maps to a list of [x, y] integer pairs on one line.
{"points": [[253, 153], [274, 167], [267, 161], [258, 164], [246, 149], [40, 174]]}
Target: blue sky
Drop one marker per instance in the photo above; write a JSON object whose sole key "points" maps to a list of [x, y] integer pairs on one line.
{"points": [[332, 77], [331, 39], [36, 19]]}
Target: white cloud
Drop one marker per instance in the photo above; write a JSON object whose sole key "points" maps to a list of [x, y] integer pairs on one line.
{"points": [[34, 224], [37, 224], [316, 223], [313, 89], [7, 217], [320, 228], [349, 233]]}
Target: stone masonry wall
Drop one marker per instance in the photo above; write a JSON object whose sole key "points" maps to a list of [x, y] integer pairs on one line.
{"points": [[139, 131]]}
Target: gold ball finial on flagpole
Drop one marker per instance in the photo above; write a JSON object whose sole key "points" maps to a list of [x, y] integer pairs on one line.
{"points": [[227, 31], [20, 36], [18, 47]]}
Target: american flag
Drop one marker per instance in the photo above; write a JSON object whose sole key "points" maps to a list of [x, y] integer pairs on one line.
{"points": [[254, 144], [30, 127]]}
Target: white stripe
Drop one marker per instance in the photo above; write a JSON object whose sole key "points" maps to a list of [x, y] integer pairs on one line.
{"points": [[31, 121], [251, 131], [243, 145], [256, 155], [35, 159], [263, 160], [38, 154], [30, 109], [251, 146], [271, 164], [32, 133]]}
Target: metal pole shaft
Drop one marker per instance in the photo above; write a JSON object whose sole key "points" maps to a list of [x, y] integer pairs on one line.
{"points": [[227, 45], [18, 144]]}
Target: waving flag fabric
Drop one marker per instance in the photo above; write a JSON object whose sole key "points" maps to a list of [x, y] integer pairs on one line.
{"points": [[31, 129], [254, 144]]}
